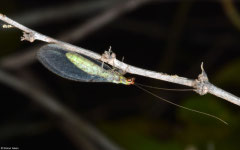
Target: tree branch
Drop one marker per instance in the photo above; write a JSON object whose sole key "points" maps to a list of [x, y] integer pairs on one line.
{"points": [[79, 32], [201, 85], [53, 13]]}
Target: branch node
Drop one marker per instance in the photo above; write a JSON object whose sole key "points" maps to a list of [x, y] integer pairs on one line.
{"points": [[28, 37], [6, 26], [201, 84], [108, 56]]}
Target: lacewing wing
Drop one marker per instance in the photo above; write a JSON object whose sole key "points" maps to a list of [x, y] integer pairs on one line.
{"points": [[54, 58]]}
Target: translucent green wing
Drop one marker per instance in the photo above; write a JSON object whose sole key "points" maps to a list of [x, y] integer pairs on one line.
{"points": [[54, 58]]}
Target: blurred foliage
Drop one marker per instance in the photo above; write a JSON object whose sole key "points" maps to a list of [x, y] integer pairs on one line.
{"points": [[229, 74], [173, 35], [194, 129], [140, 134]]}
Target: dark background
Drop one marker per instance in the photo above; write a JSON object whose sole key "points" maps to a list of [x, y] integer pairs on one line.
{"points": [[172, 36]]}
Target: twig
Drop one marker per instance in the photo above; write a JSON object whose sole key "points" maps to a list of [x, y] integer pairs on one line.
{"points": [[80, 126], [18, 60], [231, 12], [202, 85], [174, 35], [17, 129], [53, 13], [95, 23]]}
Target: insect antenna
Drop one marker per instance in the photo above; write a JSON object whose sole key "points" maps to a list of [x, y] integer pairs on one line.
{"points": [[186, 108], [165, 89]]}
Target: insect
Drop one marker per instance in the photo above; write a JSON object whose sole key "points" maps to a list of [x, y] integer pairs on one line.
{"points": [[73, 66], [76, 67]]}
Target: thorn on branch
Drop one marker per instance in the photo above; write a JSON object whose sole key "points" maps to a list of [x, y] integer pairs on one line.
{"points": [[201, 84], [203, 76], [28, 37]]}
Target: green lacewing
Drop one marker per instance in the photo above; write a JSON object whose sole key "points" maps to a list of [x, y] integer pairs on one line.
{"points": [[77, 67], [73, 66]]}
